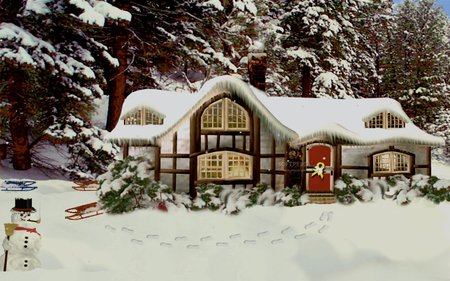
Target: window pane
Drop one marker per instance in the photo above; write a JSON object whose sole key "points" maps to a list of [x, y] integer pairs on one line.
{"points": [[212, 116], [236, 116]]}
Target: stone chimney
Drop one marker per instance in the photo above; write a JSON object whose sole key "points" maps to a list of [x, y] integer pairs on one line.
{"points": [[257, 66]]}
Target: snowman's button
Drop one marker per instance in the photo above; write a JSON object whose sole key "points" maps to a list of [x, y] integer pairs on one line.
{"points": [[25, 246], [26, 237], [25, 265], [25, 261], [26, 242]]}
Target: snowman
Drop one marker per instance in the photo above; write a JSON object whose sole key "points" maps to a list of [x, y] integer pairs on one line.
{"points": [[23, 240]]}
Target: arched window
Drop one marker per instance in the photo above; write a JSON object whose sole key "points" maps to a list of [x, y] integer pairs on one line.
{"points": [[225, 115], [224, 165], [391, 162], [143, 116], [385, 120]]}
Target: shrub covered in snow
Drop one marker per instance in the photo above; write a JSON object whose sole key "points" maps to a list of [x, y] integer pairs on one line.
{"points": [[399, 188], [127, 186]]}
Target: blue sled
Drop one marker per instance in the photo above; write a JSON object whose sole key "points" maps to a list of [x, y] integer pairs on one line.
{"points": [[18, 185]]}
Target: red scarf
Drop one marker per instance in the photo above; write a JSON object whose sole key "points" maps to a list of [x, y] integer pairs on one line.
{"points": [[31, 230]]}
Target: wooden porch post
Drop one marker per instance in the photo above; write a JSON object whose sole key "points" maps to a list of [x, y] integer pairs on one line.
{"points": [[157, 163]]}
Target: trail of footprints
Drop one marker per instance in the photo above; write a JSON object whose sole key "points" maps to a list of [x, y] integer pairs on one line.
{"points": [[324, 219]]}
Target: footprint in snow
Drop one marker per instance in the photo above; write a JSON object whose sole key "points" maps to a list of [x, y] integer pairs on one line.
{"points": [[205, 238], [152, 236], [287, 230], [323, 216], [330, 216], [137, 241], [110, 228], [222, 244], [193, 246], [262, 234], [164, 244], [180, 238], [300, 236], [323, 228], [276, 241], [250, 242], [234, 236], [311, 224], [127, 230]]}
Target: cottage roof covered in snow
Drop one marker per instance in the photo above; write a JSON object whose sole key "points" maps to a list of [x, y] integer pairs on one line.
{"points": [[293, 119]]}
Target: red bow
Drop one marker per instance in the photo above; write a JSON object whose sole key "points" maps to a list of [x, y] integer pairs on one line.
{"points": [[31, 230]]}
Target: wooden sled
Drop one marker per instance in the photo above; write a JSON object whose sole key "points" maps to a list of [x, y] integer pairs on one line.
{"points": [[84, 211], [86, 185], [18, 185]]}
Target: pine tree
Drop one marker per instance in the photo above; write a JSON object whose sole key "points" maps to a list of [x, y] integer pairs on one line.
{"points": [[320, 46], [49, 66], [417, 63]]}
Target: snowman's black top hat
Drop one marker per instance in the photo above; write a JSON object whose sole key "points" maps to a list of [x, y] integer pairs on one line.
{"points": [[24, 205]]}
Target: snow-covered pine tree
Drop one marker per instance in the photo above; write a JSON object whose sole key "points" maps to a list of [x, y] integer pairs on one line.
{"points": [[417, 63], [374, 25], [320, 46], [48, 65]]}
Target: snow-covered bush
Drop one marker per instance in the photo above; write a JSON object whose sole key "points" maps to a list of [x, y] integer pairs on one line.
{"points": [[437, 190], [208, 197], [398, 188], [347, 189], [289, 197], [127, 185]]}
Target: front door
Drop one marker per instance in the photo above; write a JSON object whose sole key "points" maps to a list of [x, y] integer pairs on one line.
{"points": [[319, 167]]}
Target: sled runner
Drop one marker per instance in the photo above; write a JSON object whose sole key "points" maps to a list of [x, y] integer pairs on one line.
{"points": [[86, 185], [18, 185], [84, 211]]}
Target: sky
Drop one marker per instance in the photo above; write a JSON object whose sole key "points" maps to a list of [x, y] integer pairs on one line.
{"points": [[445, 4]]}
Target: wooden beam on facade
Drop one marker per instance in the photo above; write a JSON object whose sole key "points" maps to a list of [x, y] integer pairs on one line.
{"points": [[338, 162], [255, 143], [157, 163], [174, 171], [273, 162], [125, 151], [174, 160], [194, 147], [429, 160]]}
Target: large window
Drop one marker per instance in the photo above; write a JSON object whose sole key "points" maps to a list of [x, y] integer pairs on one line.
{"points": [[224, 165], [143, 117], [385, 120], [391, 162], [225, 115]]}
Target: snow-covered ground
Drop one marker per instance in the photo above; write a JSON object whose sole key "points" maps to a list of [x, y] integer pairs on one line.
{"points": [[364, 241]]}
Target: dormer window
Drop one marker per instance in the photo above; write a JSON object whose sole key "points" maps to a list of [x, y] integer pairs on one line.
{"points": [[143, 116], [385, 120], [225, 115]]}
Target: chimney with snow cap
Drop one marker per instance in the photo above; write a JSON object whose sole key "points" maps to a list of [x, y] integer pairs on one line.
{"points": [[257, 65]]}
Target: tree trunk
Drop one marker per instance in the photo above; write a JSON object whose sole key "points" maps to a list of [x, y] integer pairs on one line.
{"points": [[117, 81], [306, 82], [18, 126]]}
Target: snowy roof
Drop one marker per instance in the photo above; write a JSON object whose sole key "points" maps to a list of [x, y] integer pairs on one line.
{"points": [[294, 119]]}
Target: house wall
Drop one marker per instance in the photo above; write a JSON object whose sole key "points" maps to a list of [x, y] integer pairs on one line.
{"points": [[266, 163], [358, 156]]}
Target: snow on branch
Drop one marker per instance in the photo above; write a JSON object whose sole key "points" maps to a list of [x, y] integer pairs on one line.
{"points": [[96, 12]]}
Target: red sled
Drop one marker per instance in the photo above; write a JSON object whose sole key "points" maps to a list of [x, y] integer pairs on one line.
{"points": [[86, 185], [84, 211]]}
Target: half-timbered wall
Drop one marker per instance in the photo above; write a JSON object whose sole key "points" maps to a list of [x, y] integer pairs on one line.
{"points": [[355, 159], [273, 160]]}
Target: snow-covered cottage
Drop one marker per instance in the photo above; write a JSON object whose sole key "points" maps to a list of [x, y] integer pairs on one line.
{"points": [[232, 133]]}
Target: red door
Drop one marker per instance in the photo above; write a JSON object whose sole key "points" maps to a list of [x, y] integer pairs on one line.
{"points": [[319, 172]]}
